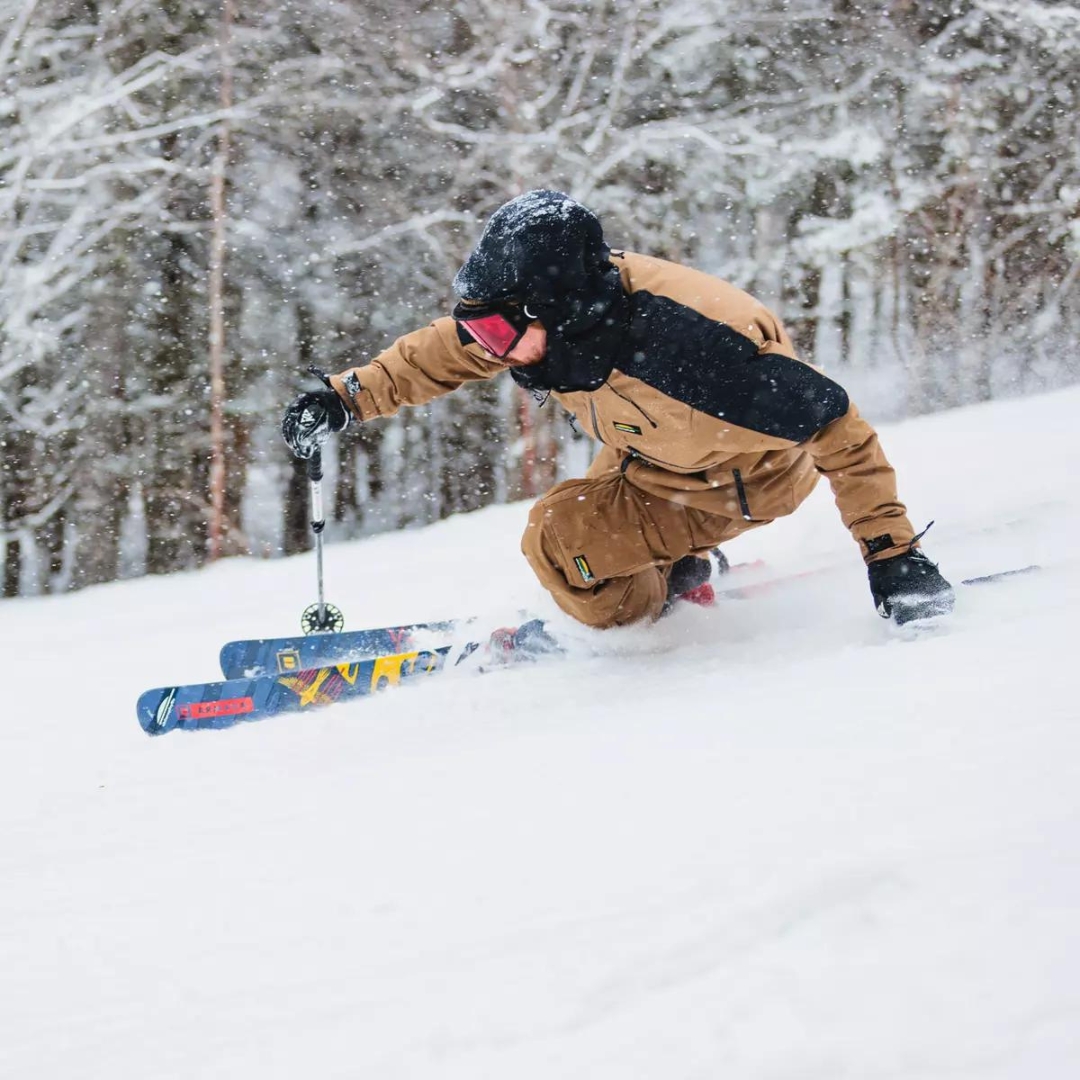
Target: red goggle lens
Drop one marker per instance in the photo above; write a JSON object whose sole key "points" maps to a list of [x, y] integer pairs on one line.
{"points": [[494, 332]]}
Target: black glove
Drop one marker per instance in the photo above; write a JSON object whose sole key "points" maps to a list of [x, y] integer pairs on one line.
{"points": [[311, 419], [908, 586]]}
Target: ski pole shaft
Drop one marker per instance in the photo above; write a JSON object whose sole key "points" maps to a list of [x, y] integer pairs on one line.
{"points": [[318, 521]]}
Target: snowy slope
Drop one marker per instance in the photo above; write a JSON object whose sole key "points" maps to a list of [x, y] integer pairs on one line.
{"points": [[766, 840]]}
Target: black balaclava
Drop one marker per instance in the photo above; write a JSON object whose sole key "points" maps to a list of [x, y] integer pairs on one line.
{"points": [[547, 251]]}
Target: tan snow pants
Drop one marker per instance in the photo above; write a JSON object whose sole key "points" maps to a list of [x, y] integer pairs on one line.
{"points": [[603, 548]]}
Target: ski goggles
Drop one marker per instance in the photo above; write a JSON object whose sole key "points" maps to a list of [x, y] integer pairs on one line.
{"points": [[496, 326]]}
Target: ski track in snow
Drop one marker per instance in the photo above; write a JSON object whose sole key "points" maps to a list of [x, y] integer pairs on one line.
{"points": [[772, 839]]}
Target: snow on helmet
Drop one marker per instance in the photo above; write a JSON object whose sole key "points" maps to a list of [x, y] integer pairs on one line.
{"points": [[542, 247]]}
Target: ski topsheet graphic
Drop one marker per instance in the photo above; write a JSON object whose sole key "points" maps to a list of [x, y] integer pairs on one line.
{"points": [[222, 704]]}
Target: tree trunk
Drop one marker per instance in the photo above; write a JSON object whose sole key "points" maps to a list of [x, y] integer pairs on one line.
{"points": [[216, 298], [297, 534], [346, 502], [12, 568], [174, 481], [17, 482]]}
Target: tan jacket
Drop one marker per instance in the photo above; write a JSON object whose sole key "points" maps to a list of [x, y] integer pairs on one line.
{"points": [[666, 446]]}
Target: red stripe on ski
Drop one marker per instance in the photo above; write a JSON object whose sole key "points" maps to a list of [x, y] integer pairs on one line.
{"points": [[201, 710]]}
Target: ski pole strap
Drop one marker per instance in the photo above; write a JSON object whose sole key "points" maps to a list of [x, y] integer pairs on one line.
{"points": [[321, 376], [315, 475]]}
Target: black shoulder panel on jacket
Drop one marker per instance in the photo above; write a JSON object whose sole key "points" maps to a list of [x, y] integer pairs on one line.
{"points": [[717, 370]]}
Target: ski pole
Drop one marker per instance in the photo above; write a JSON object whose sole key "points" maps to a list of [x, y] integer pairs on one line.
{"points": [[318, 522], [321, 617]]}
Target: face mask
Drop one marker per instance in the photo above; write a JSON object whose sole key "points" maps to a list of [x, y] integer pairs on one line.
{"points": [[585, 340]]}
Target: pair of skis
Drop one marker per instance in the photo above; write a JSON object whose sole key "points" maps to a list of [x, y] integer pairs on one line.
{"points": [[267, 676]]}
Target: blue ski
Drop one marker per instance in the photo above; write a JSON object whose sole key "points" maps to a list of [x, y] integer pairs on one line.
{"points": [[199, 706], [267, 656]]}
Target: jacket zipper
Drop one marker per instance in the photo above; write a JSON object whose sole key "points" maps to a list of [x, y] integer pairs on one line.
{"points": [[595, 421], [744, 506]]}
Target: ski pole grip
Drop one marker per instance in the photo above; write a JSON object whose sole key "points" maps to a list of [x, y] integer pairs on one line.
{"points": [[315, 475]]}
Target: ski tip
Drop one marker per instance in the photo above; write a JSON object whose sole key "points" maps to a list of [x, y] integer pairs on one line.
{"points": [[157, 710]]}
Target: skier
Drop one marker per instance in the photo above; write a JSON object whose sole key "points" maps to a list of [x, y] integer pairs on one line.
{"points": [[708, 423]]}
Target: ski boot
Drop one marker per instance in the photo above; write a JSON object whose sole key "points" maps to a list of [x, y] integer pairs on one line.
{"points": [[689, 581], [525, 643]]}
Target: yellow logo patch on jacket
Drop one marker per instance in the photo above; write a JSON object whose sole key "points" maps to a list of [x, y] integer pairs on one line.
{"points": [[583, 568]]}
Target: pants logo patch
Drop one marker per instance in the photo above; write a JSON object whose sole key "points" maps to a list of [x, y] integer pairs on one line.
{"points": [[583, 568]]}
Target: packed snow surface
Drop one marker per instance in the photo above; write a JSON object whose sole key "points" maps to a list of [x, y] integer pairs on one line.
{"points": [[771, 839]]}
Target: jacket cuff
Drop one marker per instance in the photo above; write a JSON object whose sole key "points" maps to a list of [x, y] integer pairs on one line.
{"points": [[886, 545], [361, 402]]}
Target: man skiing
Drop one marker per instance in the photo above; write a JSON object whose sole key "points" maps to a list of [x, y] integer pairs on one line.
{"points": [[709, 424]]}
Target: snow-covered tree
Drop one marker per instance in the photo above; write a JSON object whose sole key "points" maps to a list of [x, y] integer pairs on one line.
{"points": [[899, 180]]}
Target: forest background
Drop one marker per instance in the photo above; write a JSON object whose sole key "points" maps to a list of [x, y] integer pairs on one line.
{"points": [[197, 200]]}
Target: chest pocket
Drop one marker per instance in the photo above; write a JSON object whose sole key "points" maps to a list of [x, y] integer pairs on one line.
{"points": [[658, 428]]}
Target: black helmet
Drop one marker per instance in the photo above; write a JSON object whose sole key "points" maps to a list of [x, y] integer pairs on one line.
{"points": [[542, 247], [545, 250]]}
